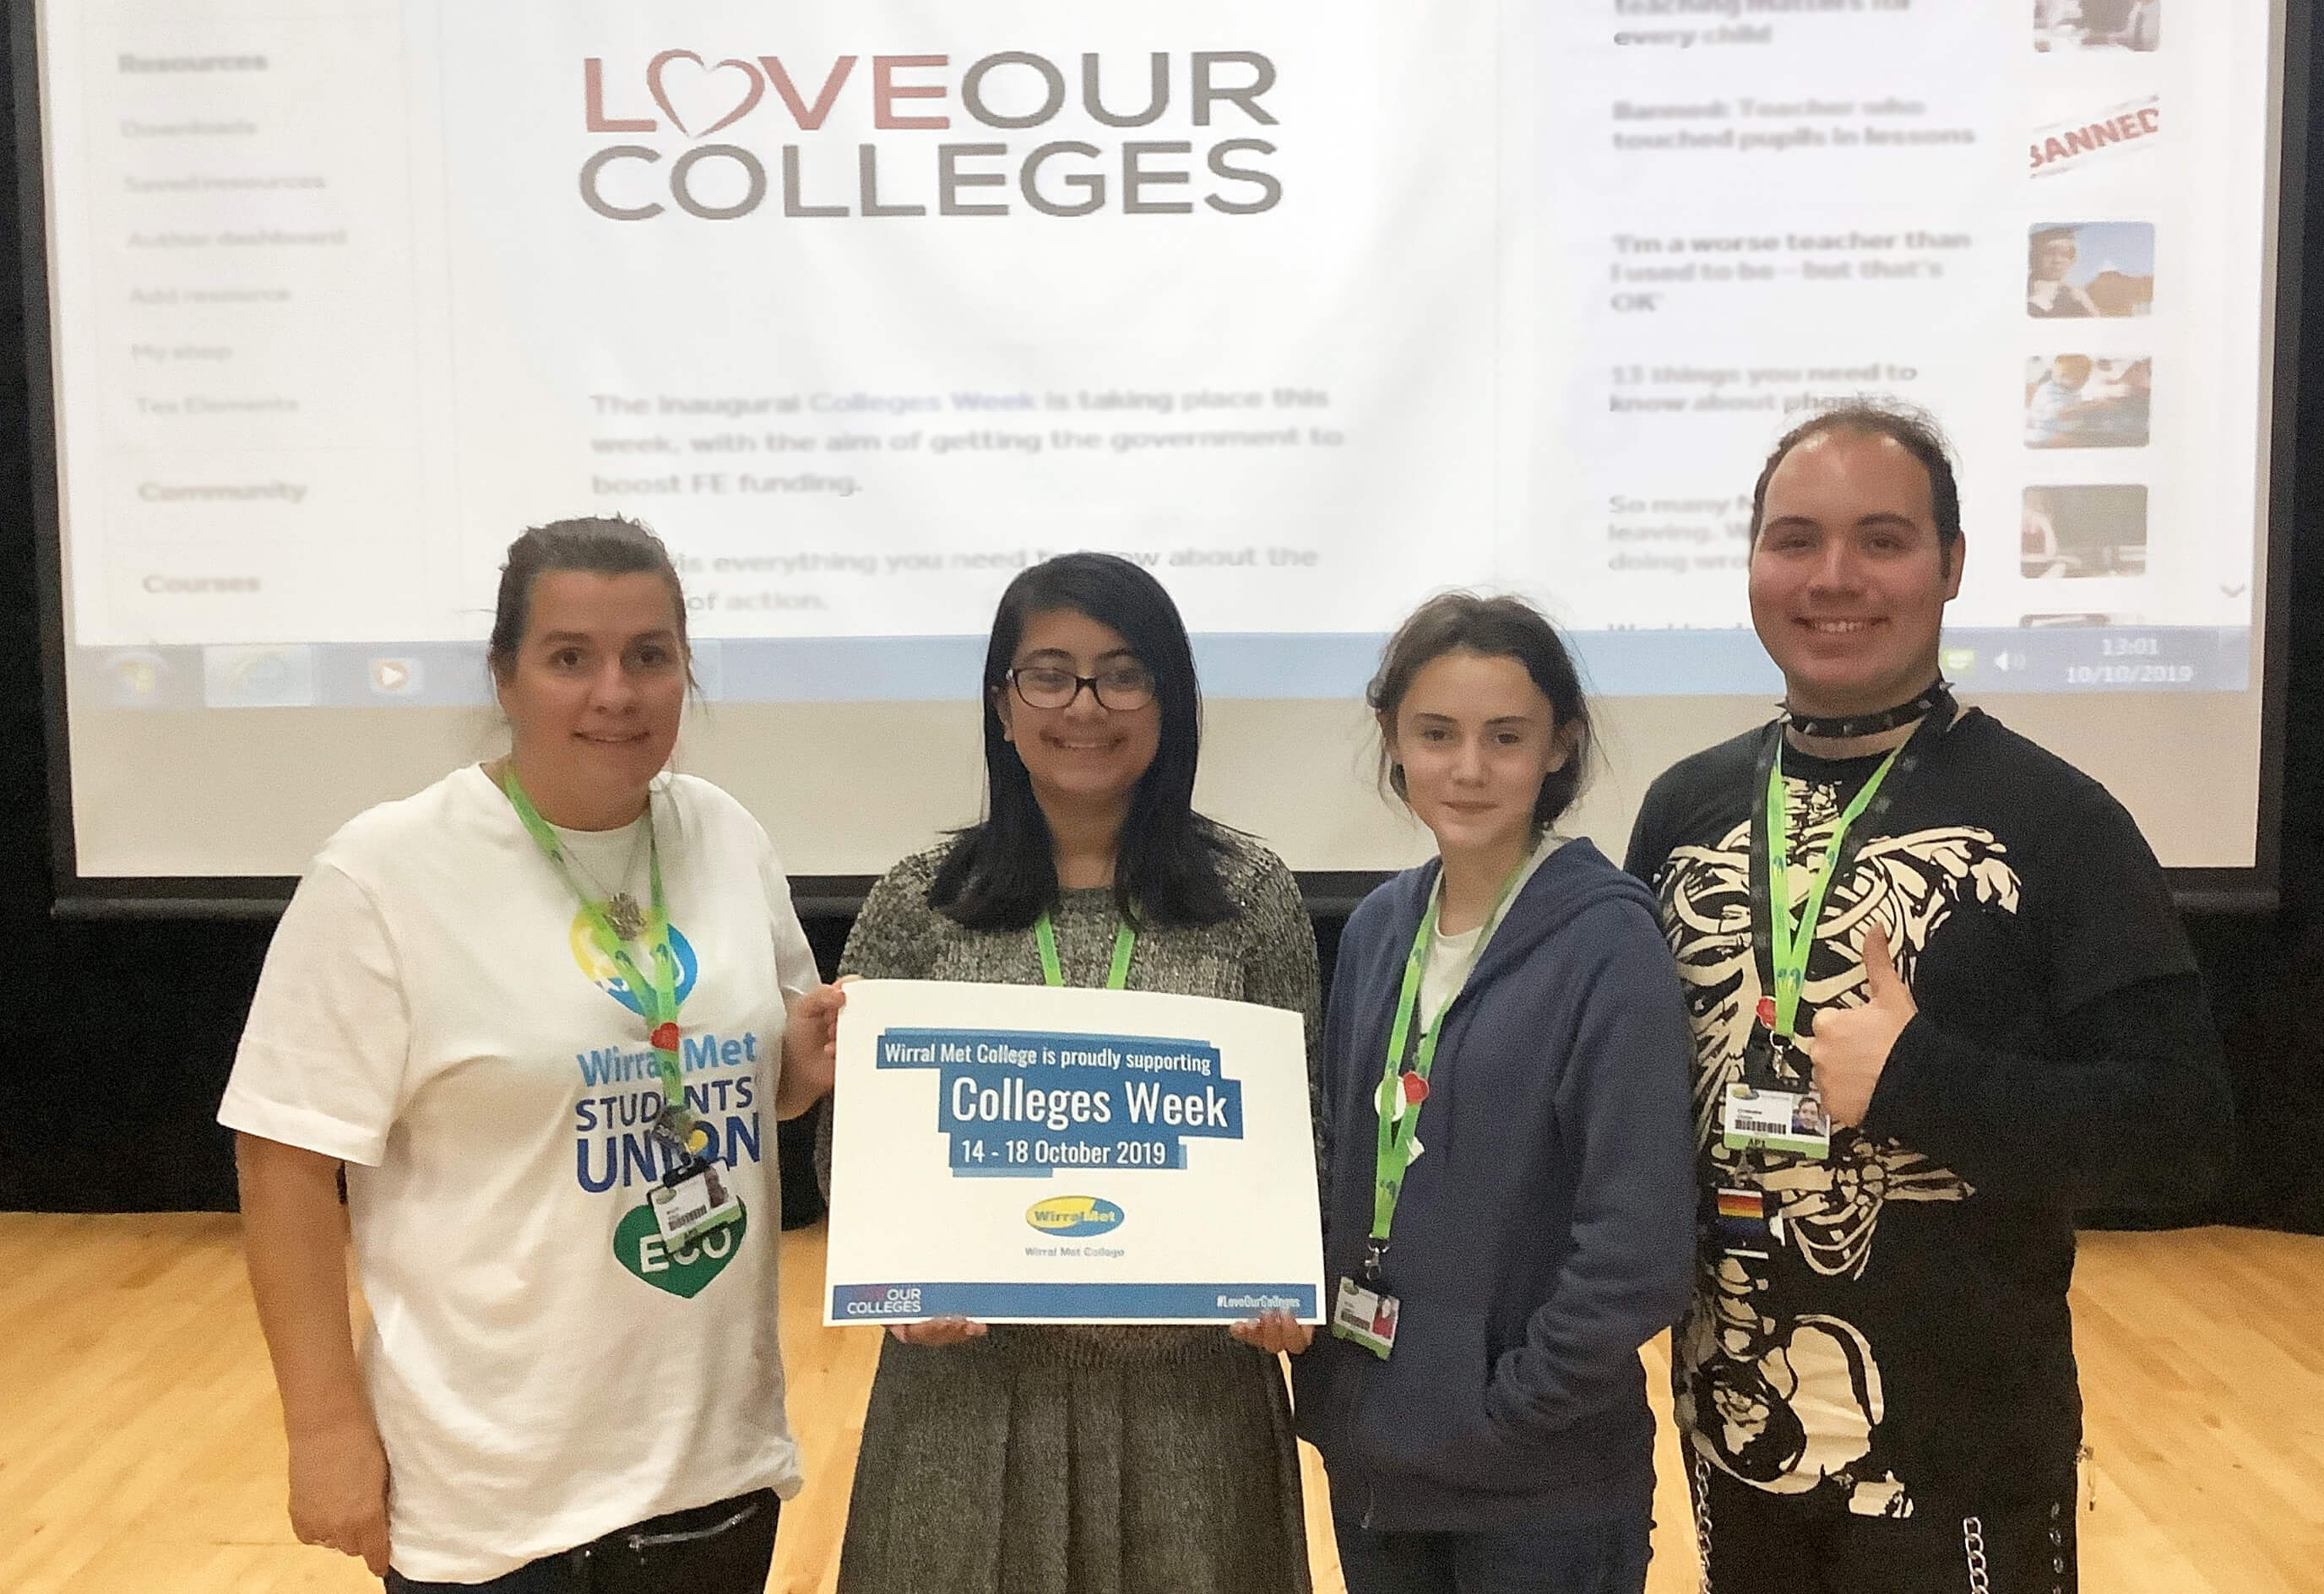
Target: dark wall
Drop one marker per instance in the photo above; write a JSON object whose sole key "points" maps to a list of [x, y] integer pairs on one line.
{"points": [[123, 1033]]}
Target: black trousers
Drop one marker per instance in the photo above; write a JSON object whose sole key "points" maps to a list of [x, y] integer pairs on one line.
{"points": [[1755, 1543], [1526, 1558], [723, 1548]]}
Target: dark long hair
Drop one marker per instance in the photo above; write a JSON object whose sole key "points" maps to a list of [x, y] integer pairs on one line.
{"points": [[1495, 628], [1003, 874]]}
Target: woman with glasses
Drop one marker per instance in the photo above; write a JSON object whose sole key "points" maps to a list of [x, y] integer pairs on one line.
{"points": [[1043, 1460]]}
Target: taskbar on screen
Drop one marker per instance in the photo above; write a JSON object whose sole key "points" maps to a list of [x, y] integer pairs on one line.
{"points": [[2059, 653]]}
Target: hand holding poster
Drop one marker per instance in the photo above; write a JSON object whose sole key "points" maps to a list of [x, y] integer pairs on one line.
{"points": [[1017, 1154]]}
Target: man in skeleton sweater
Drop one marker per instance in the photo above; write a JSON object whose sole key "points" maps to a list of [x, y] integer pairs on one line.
{"points": [[1941, 1000]]}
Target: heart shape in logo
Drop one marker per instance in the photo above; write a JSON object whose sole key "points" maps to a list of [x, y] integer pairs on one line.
{"points": [[685, 1271], [703, 88]]}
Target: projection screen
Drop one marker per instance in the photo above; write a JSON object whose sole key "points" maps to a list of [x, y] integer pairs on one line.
{"points": [[1312, 310]]}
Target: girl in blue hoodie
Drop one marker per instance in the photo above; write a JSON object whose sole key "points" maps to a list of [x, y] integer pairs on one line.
{"points": [[1509, 1193]]}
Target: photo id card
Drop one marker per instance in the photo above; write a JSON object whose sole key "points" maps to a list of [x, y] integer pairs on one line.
{"points": [[1755, 1119], [697, 1202], [1366, 1316]]}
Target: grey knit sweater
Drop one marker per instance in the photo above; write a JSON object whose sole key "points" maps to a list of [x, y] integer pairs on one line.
{"points": [[1083, 1460]]}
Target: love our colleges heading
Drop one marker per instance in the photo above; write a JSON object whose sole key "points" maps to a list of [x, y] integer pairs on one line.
{"points": [[781, 157]]}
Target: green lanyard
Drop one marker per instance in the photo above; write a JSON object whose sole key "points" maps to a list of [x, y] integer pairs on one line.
{"points": [[1393, 1150], [656, 996], [1052, 972], [1793, 942]]}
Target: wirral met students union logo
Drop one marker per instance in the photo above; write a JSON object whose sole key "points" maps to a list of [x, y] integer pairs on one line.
{"points": [[607, 977]]}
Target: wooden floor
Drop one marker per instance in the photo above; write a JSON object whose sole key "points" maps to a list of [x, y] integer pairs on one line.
{"points": [[141, 1447]]}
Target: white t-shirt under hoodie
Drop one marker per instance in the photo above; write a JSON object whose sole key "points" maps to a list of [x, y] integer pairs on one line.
{"points": [[433, 1012]]}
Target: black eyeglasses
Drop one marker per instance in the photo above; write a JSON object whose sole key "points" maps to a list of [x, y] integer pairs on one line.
{"points": [[1115, 687]]}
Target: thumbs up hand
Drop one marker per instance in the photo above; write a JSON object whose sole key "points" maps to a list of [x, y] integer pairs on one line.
{"points": [[1850, 1046]]}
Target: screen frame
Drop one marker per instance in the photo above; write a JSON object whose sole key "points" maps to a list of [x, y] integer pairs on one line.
{"points": [[2256, 890]]}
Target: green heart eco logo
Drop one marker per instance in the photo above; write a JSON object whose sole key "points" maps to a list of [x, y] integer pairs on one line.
{"points": [[685, 1271]]}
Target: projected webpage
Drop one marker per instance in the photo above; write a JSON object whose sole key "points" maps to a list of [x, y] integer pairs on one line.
{"points": [[1312, 310]]}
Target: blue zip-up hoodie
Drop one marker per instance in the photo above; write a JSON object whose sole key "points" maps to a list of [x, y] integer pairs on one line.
{"points": [[1545, 1233]]}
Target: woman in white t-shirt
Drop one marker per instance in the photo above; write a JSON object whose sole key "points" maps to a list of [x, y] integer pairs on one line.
{"points": [[571, 1378]]}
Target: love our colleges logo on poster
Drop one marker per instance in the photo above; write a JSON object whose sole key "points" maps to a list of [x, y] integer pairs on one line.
{"points": [[807, 138]]}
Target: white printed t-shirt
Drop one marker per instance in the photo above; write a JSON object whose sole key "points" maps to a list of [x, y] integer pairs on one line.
{"points": [[433, 1012]]}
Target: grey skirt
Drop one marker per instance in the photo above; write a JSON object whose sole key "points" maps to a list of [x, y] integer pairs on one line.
{"points": [[1074, 1460]]}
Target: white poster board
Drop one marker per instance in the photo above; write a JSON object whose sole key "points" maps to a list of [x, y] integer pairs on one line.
{"points": [[1015, 1154]]}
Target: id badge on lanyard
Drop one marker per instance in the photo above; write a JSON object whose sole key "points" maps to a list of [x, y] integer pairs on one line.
{"points": [[693, 1197], [1774, 1106], [1366, 1316], [1365, 1312], [1768, 1118], [691, 1200]]}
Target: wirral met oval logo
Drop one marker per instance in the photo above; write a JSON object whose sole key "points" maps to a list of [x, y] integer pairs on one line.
{"points": [[1074, 1215]]}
